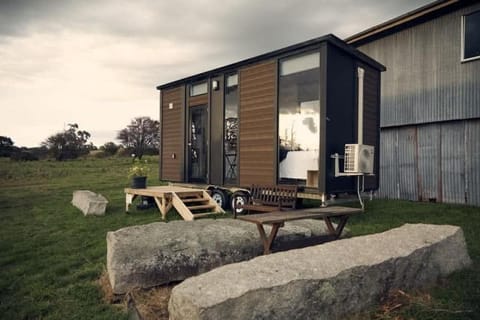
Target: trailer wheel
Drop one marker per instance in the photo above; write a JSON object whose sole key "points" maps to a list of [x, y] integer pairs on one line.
{"points": [[220, 198], [238, 198]]}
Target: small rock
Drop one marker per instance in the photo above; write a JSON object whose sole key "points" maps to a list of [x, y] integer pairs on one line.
{"points": [[89, 202]]}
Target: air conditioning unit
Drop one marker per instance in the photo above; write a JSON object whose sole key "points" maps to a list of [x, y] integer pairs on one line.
{"points": [[359, 158]]}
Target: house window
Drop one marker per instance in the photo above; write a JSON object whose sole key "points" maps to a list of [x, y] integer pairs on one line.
{"points": [[230, 140], [471, 36], [298, 117], [198, 89]]}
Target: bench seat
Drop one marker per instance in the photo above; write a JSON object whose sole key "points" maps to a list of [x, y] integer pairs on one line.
{"points": [[269, 198]]}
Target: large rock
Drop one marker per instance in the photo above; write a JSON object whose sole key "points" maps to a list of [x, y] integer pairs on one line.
{"points": [[89, 202], [158, 253], [326, 281]]}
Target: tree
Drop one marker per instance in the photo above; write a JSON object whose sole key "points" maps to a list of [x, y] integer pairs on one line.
{"points": [[6, 147], [110, 148], [69, 144], [140, 136]]}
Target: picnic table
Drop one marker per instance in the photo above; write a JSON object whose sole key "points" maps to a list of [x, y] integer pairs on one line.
{"points": [[277, 220]]}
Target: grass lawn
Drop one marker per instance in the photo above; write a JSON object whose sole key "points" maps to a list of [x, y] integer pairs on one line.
{"points": [[51, 255]]}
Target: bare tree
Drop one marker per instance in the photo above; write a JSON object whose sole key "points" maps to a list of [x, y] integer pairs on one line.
{"points": [[140, 136]]}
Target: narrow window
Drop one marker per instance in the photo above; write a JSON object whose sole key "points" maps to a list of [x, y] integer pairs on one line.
{"points": [[198, 89], [298, 118], [471, 36], [231, 129]]}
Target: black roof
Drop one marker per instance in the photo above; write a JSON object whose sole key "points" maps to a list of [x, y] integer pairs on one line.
{"points": [[330, 38]]}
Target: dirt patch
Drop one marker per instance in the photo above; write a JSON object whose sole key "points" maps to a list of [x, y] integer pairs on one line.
{"points": [[150, 304], [106, 289], [144, 304]]}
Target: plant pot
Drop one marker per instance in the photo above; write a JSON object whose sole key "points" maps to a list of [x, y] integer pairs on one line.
{"points": [[139, 182]]}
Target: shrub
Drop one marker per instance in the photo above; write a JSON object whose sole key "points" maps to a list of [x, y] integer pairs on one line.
{"points": [[23, 156]]}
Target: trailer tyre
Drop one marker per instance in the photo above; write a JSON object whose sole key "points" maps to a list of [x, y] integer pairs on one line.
{"points": [[220, 197], [238, 198]]}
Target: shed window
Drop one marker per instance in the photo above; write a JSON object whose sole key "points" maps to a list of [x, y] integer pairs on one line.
{"points": [[471, 36], [198, 89]]}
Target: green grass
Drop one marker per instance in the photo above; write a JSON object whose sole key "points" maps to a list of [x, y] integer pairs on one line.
{"points": [[461, 291], [51, 255]]}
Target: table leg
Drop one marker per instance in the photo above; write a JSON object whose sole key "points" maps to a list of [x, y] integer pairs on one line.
{"points": [[160, 207], [336, 232], [268, 241], [128, 200]]}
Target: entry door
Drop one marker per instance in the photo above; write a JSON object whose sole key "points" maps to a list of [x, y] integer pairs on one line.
{"points": [[197, 144]]}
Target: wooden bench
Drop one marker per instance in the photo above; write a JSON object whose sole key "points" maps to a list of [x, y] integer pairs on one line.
{"points": [[268, 198], [278, 219]]}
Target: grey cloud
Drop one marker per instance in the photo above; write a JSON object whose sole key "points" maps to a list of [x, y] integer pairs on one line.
{"points": [[22, 17], [192, 20], [221, 32]]}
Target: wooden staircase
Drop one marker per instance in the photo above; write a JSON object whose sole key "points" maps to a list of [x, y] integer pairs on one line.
{"points": [[194, 204]]}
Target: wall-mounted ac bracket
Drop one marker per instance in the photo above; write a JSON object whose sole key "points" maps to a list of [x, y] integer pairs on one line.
{"points": [[337, 158]]}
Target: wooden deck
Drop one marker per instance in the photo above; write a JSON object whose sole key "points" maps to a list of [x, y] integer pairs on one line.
{"points": [[185, 200]]}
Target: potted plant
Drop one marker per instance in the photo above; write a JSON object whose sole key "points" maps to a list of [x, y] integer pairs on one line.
{"points": [[138, 172]]}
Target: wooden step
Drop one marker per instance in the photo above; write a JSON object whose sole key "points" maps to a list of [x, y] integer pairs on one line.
{"points": [[203, 206], [194, 200], [187, 194], [200, 215]]}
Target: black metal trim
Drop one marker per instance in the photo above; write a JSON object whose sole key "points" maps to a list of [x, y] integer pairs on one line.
{"points": [[330, 38]]}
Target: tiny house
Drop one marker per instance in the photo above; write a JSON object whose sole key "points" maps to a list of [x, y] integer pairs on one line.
{"points": [[277, 118]]}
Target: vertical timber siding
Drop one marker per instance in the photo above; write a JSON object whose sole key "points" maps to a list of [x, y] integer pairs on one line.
{"points": [[257, 137], [172, 127]]}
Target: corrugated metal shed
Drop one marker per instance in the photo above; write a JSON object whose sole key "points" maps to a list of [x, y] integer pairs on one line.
{"points": [[429, 171], [434, 162], [472, 163], [426, 81], [430, 108], [388, 165]]}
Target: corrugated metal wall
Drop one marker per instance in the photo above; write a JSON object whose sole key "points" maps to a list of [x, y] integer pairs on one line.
{"points": [[433, 162], [430, 113], [425, 79]]}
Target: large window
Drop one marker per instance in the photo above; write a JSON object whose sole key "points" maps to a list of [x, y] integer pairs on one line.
{"points": [[471, 36], [231, 129], [299, 117]]}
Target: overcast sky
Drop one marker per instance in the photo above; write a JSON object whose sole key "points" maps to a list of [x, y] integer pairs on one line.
{"points": [[96, 63]]}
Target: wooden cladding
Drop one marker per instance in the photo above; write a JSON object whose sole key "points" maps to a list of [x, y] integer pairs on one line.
{"points": [[198, 100], [257, 134], [172, 146]]}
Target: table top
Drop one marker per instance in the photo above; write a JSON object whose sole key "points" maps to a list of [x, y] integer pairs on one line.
{"points": [[311, 213]]}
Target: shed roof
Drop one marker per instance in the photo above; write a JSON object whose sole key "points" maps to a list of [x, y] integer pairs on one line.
{"points": [[414, 17], [330, 38]]}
